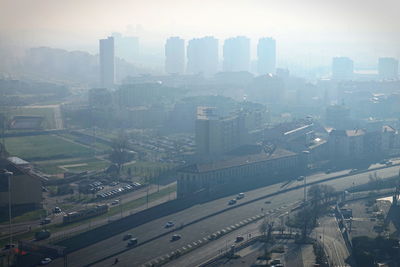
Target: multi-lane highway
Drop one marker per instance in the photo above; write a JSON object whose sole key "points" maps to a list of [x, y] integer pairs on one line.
{"points": [[103, 253]]}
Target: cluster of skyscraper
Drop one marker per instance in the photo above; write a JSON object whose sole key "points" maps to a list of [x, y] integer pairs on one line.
{"points": [[202, 55], [343, 68]]}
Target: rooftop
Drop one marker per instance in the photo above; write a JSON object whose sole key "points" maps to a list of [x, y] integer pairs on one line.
{"points": [[238, 161]]}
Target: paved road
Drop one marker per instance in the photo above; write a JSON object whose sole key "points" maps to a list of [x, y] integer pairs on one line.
{"points": [[333, 241], [161, 246], [57, 218]]}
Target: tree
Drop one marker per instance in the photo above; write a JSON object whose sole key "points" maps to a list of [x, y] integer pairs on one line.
{"points": [[119, 154]]}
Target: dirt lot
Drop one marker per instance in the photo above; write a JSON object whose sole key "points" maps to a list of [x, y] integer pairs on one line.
{"points": [[369, 218]]}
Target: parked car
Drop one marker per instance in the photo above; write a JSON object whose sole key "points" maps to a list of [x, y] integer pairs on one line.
{"points": [[57, 210], [136, 185], [115, 202], [232, 202], [176, 237], [300, 178], [132, 242], [275, 261], [169, 224]]}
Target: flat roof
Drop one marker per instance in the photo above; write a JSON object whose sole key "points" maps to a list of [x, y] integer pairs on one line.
{"points": [[17, 161], [238, 161]]}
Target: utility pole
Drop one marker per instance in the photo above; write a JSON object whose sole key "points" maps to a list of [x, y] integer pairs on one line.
{"points": [[9, 175], [147, 197], [305, 189]]}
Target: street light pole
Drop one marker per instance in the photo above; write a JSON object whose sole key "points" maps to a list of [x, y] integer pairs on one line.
{"points": [[9, 174], [305, 189]]}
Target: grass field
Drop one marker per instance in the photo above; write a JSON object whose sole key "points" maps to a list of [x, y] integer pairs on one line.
{"points": [[52, 167], [99, 146], [43, 147]]}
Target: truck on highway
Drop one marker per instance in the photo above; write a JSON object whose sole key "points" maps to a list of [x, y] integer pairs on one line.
{"points": [[43, 234]]}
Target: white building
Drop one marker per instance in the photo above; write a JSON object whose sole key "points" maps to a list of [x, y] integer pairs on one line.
{"points": [[342, 68], [388, 68], [266, 55], [202, 56], [175, 55], [236, 53]]}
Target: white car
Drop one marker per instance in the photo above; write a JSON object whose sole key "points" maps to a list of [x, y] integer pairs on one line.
{"points": [[45, 261], [169, 224], [240, 196]]}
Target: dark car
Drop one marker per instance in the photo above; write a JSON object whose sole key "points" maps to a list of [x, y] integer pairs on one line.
{"points": [[239, 239], [132, 242], [176, 237]]}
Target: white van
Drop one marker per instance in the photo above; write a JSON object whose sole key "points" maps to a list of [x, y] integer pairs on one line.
{"points": [[240, 196]]}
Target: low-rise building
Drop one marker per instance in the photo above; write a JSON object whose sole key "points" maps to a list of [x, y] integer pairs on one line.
{"points": [[236, 172], [25, 187]]}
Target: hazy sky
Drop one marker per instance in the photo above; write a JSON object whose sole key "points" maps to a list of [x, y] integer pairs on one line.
{"points": [[304, 29]]}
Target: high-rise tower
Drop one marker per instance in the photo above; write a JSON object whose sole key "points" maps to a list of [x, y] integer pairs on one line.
{"points": [[107, 68], [266, 55], [202, 55], [237, 54], [175, 55]]}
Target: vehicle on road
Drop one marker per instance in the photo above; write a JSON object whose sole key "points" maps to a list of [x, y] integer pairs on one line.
{"points": [[300, 178], [45, 221], [232, 202], [127, 236], [389, 163], [8, 246], [45, 261], [132, 242], [267, 202], [239, 239], [353, 171], [176, 237], [42, 235], [240, 196], [169, 224], [115, 202]]}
